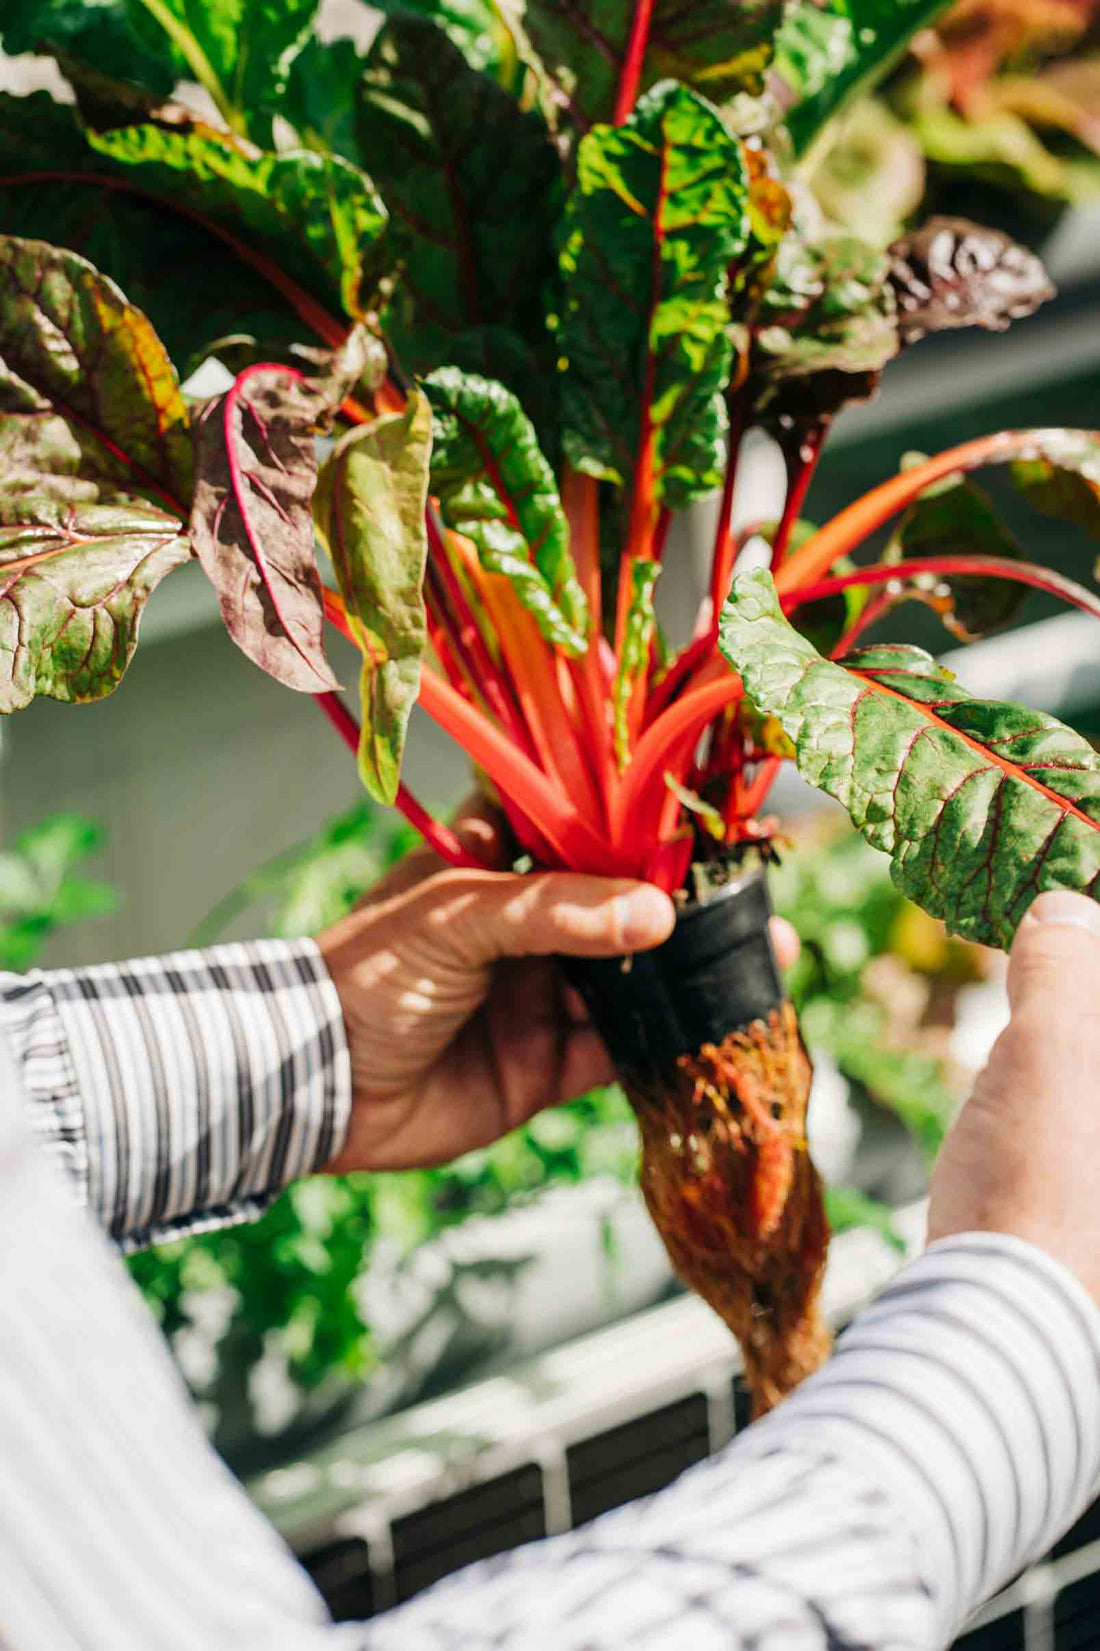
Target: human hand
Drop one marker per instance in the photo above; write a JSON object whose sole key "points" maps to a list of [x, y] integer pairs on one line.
{"points": [[1024, 1154], [459, 1021]]}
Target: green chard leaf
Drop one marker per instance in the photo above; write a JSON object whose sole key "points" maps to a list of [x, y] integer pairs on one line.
{"points": [[101, 33], [980, 805], [371, 497], [826, 54], [658, 215], [95, 475], [53, 186], [1062, 477], [955, 517], [479, 28], [717, 46], [495, 486], [471, 184], [239, 51], [634, 658], [252, 520], [321, 94]]}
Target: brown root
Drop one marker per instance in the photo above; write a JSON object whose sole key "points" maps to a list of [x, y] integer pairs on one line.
{"points": [[732, 1192]]}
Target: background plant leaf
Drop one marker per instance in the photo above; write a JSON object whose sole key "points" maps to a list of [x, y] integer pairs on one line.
{"points": [[495, 486], [195, 290], [718, 46], [370, 504], [252, 520], [471, 185], [951, 273], [75, 578], [101, 33], [480, 29], [955, 517], [980, 805], [826, 54], [658, 215], [1062, 477], [90, 405]]}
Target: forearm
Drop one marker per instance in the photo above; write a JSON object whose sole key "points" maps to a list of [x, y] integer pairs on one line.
{"points": [[185, 1091]]}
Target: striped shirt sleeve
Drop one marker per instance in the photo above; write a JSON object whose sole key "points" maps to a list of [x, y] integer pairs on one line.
{"points": [[183, 1092]]}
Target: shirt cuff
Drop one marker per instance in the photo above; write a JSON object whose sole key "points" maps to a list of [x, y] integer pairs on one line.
{"points": [[184, 1092], [967, 1392]]}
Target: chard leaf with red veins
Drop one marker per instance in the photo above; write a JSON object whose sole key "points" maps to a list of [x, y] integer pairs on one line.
{"points": [[1061, 476], [980, 805], [252, 519], [90, 405], [371, 497], [74, 579], [658, 215], [495, 487], [471, 184], [717, 46]]}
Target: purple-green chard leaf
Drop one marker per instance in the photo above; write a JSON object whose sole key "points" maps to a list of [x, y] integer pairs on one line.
{"points": [[658, 216], [369, 507], [252, 520], [495, 486], [980, 805], [95, 475]]}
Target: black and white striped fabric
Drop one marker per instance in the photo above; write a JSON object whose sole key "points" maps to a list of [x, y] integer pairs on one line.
{"points": [[953, 1437]]}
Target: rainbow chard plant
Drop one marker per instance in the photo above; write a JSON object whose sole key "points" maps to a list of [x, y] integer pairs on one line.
{"points": [[538, 283]]}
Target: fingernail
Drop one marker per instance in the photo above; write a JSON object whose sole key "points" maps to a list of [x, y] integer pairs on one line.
{"points": [[644, 917], [1068, 910]]}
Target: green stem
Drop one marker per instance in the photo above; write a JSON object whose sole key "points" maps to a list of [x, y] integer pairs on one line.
{"points": [[198, 62]]}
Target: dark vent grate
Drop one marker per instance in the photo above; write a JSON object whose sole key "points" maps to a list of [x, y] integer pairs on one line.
{"points": [[342, 1573], [637, 1458], [1007, 1634], [475, 1524], [1077, 1616]]}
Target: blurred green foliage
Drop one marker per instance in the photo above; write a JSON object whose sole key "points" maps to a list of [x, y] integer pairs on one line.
{"points": [[40, 890]]}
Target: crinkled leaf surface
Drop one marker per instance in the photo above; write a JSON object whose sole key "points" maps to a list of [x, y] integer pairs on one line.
{"points": [[717, 46], [824, 328], [980, 805], [74, 578], [658, 215], [252, 521], [90, 405], [826, 54], [1062, 476], [471, 184], [495, 486], [195, 290], [955, 517], [951, 273], [370, 504]]}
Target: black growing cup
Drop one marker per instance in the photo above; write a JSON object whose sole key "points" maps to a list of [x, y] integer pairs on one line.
{"points": [[715, 974]]}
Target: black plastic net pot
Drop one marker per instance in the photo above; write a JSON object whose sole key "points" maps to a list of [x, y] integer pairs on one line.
{"points": [[709, 1053]]}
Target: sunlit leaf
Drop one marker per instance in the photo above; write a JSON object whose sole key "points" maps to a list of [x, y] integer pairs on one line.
{"points": [[980, 805], [252, 521], [827, 54], [76, 577], [370, 515], [495, 486], [717, 46], [471, 185], [658, 215], [90, 405]]}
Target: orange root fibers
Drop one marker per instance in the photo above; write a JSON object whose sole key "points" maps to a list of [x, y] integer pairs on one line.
{"points": [[732, 1192]]}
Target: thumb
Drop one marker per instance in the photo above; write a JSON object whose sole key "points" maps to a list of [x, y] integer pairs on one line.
{"points": [[1054, 965], [484, 916]]}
